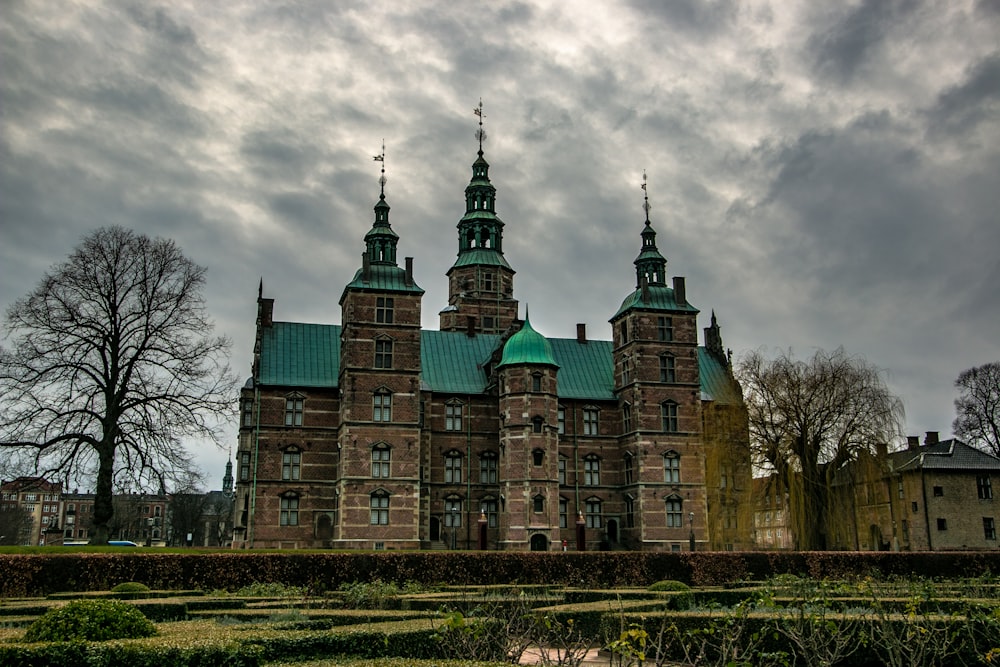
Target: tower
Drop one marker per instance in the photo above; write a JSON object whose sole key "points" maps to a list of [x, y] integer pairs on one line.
{"points": [[379, 436], [657, 383], [529, 442], [480, 282]]}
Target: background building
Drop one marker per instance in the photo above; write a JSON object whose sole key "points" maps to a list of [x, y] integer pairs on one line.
{"points": [[31, 506]]}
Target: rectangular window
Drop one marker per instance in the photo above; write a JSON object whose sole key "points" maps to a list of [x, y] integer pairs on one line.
{"points": [[453, 417], [563, 513], [380, 462], [382, 407], [984, 487], [668, 371], [488, 468], [627, 465], [289, 511], [383, 354], [290, 463], [538, 504], [489, 324], [668, 415], [989, 528], [384, 310], [244, 466], [490, 509], [624, 331], [627, 417], [561, 414], [942, 524], [590, 425], [452, 513], [593, 513], [379, 505], [562, 470], [536, 382], [672, 469], [906, 530], [487, 281], [453, 469], [293, 411], [629, 512], [665, 328], [592, 472], [899, 487], [938, 491], [248, 412], [675, 513]]}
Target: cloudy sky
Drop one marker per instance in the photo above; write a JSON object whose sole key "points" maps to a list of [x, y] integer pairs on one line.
{"points": [[823, 174]]}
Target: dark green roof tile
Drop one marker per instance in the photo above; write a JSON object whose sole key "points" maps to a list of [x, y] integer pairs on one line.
{"points": [[484, 256], [660, 298], [300, 355], [384, 277], [527, 346]]}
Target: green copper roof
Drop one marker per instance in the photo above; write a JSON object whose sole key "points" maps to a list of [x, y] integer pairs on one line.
{"points": [[384, 277], [481, 256], [308, 355], [527, 346], [300, 355], [660, 298], [716, 383]]}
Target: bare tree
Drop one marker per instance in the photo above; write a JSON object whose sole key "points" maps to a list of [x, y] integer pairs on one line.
{"points": [[113, 361], [808, 419], [978, 407]]}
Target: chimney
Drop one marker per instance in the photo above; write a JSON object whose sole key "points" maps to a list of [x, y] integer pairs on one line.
{"points": [[581, 333], [644, 285], [470, 326], [882, 450], [912, 442], [408, 280], [365, 267], [931, 438], [680, 296]]}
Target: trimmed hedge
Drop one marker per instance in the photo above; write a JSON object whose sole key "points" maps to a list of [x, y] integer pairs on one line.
{"points": [[24, 575], [112, 654]]}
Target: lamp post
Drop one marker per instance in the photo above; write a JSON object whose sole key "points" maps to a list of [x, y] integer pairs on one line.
{"points": [[149, 532], [691, 534]]}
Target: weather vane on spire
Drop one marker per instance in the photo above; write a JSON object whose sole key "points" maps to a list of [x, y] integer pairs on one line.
{"points": [[480, 133], [645, 196], [381, 158]]}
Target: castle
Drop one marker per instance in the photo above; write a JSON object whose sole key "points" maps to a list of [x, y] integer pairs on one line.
{"points": [[485, 434]]}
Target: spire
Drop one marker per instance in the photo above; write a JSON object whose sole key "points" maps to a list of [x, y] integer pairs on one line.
{"points": [[480, 228], [650, 264], [381, 241], [227, 480]]}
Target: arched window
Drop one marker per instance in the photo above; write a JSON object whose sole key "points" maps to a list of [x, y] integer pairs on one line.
{"points": [[381, 455], [668, 416], [294, 404], [379, 505], [591, 470], [672, 467], [291, 464], [382, 405], [488, 468], [675, 511], [668, 370], [453, 467], [289, 510]]}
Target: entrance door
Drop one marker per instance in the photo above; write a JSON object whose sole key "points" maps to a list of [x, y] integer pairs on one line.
{"points": [[539, 542], [435, 529], [613, 530]]}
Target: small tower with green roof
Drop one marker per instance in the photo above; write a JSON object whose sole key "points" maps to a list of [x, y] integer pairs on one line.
{"points": [[529, 442], [657, 383], [379, 384], [480, 282]]}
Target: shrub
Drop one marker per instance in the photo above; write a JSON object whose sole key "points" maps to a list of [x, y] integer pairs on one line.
{"points": [[669, 585], [91, 620], [130, 587]]}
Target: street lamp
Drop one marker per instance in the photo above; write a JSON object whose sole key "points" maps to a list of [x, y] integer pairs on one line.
{"points": [[691, 534]]}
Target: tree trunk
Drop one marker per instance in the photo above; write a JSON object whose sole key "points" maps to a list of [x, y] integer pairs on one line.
{"points": [[103, 497]]}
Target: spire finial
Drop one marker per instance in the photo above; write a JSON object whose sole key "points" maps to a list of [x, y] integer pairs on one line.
{"points": [[480, 133], [645, 196], [381, 180]]}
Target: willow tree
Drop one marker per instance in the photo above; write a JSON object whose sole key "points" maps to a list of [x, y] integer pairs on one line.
{"points": [[113, 363], [808, 421]]}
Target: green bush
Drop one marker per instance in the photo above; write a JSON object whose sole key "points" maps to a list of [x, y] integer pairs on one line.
{"points": [[669, 585], [130, 587], [91, 620]]}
